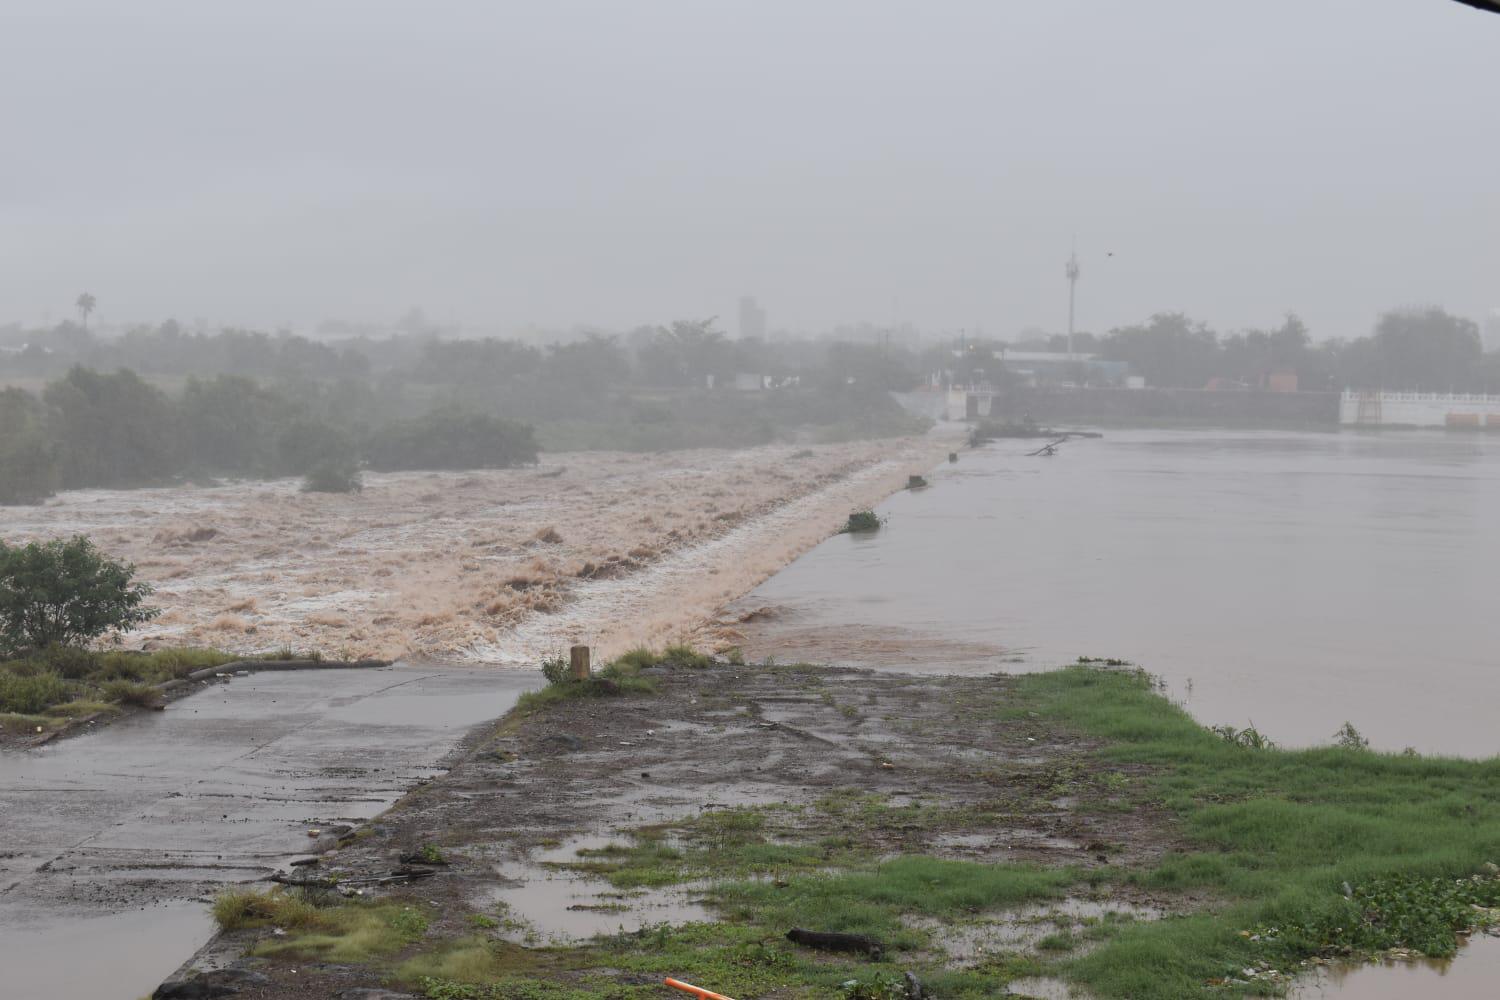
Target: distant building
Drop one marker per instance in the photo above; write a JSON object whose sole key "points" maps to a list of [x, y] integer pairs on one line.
{"points": [[752, 318], [1061, 368], [1491, 331]]}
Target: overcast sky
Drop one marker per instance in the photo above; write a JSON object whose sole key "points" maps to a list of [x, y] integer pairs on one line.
{"points": [[611, 163]]}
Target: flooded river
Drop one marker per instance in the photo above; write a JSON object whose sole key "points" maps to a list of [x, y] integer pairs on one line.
{"points": [[111, 843], [1292, 580]]}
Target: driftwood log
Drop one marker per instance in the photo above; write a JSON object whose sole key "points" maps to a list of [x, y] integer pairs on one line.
{"points": [[861, 944]]}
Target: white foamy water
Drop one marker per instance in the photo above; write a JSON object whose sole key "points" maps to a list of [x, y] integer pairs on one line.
{"points": [[446, 564], [664, 601]]}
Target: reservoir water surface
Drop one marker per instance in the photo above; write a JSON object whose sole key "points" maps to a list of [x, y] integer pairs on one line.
{"points": [[1290, 580]]}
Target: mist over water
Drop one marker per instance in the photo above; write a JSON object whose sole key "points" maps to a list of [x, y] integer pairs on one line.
{"points": [[1292, 580]]}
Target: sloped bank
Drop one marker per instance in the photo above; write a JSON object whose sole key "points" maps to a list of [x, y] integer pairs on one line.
{"points": [[681, 817]]}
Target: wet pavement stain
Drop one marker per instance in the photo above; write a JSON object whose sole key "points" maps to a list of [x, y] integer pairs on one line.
{"points": [[121, 836]]}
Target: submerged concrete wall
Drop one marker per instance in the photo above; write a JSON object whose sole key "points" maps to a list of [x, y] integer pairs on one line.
{"points": [[1170, 406], [1419, 409]]}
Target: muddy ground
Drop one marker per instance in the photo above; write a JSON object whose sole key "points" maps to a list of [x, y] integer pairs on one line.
{"points": [[884, 765]]}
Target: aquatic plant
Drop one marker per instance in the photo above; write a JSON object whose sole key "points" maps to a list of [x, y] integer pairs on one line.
{"points": [[861, 521]]}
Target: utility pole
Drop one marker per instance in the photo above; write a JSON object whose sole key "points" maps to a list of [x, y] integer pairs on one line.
{"points": [[1072, 272]]}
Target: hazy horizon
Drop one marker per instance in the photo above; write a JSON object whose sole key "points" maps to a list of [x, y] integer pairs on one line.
{"points": [[595, 164]]}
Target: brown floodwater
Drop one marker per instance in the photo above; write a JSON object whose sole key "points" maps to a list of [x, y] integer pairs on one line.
{"points": [[1473, 974], [1290, 580]]}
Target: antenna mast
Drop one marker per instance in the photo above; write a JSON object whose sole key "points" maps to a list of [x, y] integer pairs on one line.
{"points": [[1072, 272]]}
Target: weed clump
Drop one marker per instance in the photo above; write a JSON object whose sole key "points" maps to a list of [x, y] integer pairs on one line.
{"points": [[621, 676], [1349, 738], [861, 521], [64, 680], [1250, 738], [137, 693], [240, 908], [34, 694]]}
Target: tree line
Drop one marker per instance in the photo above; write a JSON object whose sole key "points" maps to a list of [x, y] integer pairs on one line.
{"points": [[92, 429], [1422, 349]]}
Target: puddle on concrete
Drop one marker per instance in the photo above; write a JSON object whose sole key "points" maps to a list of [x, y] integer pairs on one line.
{"points": [[556, 905], [123, 955], [1474, 974]]}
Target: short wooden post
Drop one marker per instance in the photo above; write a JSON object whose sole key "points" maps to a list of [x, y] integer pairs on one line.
{"points": [[578, 656]]}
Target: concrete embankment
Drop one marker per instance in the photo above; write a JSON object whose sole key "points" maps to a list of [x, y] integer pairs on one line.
{"points": [[114, 841]]}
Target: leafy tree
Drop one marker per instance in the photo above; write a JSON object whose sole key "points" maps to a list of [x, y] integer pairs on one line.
{"points": [[28, 456], [1425, 349], [66, 592], [1169, 349], [453, 439], [685, 353], [112, 429], [488, 361], [230, 424], [308, 444], [86, 304], [590, 365]]}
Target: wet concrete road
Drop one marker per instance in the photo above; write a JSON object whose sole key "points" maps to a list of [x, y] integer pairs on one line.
{"points": [[109, 842]]}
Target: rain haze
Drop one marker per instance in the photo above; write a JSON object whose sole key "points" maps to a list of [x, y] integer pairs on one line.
{"points": [[508, 165], [836, 500]]}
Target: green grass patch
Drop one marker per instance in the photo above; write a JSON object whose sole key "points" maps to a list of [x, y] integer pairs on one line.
{"points": [[39, 682], [33, 694], [351, 932], [619, 677], [1324, 851], [874, 900]]}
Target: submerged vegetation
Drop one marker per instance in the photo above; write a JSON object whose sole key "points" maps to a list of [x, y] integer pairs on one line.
{"points": [[861, 521]]}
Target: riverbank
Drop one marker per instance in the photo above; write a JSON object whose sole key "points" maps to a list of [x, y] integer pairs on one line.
{"points": [[984, 834], [458, 565]]}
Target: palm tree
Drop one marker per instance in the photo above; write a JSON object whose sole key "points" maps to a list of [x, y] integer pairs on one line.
{"points": [[85, 303]]}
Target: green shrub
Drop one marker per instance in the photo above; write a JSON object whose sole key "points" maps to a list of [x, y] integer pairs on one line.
{"points": [[557, 670], [131, 693], [34, 694], [66, 593], [861, 521]]}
